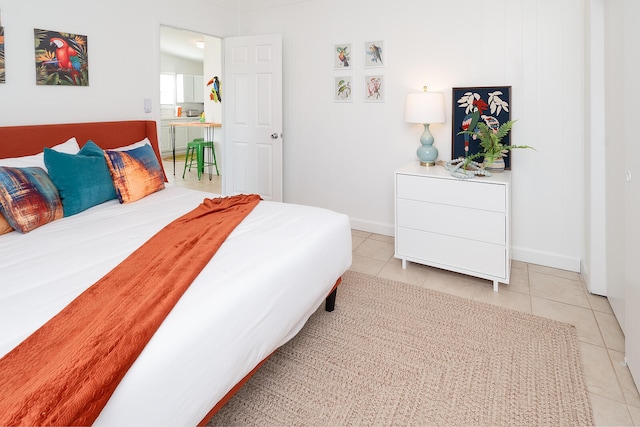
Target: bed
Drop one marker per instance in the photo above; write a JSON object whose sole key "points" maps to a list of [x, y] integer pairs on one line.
{"points": [[272, 272]]}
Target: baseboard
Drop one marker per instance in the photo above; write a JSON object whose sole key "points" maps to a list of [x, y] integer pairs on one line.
{"points": [[595, 284], [372, 227], [547, 259]]}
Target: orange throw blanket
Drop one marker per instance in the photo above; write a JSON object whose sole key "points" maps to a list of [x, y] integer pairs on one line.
{"points": [[64, 373]]}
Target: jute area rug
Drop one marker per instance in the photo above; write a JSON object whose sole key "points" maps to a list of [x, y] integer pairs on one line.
{"points": [[393, 354]]}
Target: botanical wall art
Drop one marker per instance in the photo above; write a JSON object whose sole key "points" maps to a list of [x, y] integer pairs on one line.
{"points": [[342, 89], [374, 54], [342, 56], [374, 88], [61, 58], [473, 105], [2, 75]]}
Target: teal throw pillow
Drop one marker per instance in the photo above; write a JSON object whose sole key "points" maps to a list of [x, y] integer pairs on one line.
{"points": [[83, 180]]}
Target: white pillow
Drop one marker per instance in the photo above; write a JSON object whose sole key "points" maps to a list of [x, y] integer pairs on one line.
{"points": [[70, 147], [132, 146]]}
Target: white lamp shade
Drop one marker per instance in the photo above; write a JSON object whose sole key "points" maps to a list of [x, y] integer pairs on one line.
{"points": [[424, 107]]}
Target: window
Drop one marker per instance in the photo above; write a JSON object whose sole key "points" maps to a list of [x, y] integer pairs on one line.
{"points": [[180, 88], [167, 89]]}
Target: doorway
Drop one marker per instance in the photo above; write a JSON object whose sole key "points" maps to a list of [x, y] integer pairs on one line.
{"points": [[188, 61]]}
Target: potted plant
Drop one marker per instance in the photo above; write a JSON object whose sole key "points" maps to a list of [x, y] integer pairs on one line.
{"points": [[492, 149]]}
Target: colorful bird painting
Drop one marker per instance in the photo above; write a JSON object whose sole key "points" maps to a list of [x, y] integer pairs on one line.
{"points": [[376, 53], [478, 109], [470, 121], [66, 57], [215, 94], [61, 58]]}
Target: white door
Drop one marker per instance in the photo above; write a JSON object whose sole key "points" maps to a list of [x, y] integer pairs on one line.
{"points": [[252, 102]]}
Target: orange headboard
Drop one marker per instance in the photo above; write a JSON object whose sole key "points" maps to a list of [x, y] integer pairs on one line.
{"points": [[16, 141]]}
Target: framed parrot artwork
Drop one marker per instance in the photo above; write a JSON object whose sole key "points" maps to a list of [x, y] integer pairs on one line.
{"points": [[490, 105], [61, 58], [2, 75]]}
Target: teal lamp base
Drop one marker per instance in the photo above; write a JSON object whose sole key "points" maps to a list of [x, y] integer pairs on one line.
{"points": [[427, 153]]}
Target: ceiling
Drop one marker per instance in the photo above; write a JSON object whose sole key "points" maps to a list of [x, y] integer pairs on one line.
{"points": [[248, 5], [181, 43]]}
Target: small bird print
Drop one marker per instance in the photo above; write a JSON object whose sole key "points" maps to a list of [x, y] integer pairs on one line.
{"points": [[376, 53], [343, 55], [344, 90], [373, 88]]}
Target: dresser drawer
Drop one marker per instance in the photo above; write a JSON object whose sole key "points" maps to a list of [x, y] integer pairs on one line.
{"points": [[476, 195], [458, 254], [473, 224]]}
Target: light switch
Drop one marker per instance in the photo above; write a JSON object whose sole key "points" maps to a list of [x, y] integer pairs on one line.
{"points": [[628, 176], [147, 105]]}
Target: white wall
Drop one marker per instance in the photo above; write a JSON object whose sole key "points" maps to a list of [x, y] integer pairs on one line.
{"points": [[342, 156], [123, 43], [175, 65]]}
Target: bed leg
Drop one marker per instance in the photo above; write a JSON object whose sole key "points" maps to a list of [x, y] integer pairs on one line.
{"points": [[330, 302]]}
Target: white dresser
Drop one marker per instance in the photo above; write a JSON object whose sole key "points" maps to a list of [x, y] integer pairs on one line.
{"points": [[454, 224]]}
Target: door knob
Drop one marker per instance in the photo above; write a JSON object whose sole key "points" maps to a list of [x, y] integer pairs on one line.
{"points": [[274, 135]]}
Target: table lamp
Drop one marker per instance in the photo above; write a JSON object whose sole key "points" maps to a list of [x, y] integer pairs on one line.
{"points": [[425, 108]]}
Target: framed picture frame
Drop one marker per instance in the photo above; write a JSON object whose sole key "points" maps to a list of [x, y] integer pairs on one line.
{"points": [[61, 58], [374, 88], [342, 89], [472, 105], [2, 72], [374, 54], [342, 56]]}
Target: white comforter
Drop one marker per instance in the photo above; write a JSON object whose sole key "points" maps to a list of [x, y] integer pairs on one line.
{"points": [[265, 281]]}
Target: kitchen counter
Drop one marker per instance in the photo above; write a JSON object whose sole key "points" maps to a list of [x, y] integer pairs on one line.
{"points": [[179, 119]]}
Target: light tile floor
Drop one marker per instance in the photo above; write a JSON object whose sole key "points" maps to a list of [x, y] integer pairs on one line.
{"points": [[548, 292], [190, 180], [543, 291]]}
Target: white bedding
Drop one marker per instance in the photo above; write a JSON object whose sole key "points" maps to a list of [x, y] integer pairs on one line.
{"points": [[270, 275]]}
